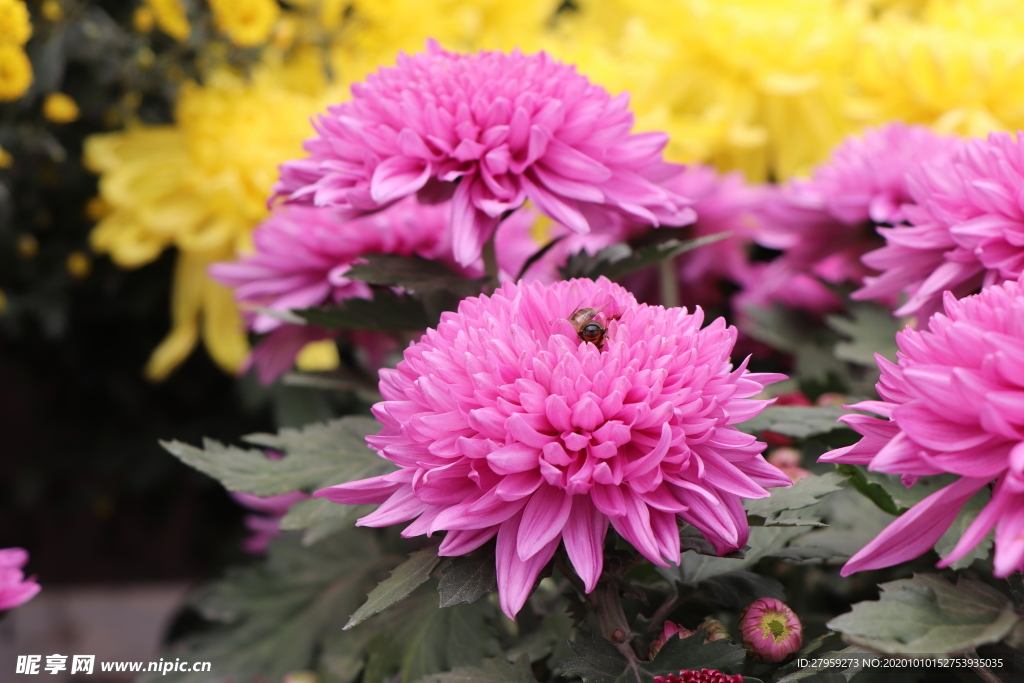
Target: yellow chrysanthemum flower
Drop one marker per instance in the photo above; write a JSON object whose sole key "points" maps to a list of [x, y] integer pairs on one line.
{"points": [[246, 23], [15, 72], [201, 186], [959, 69], [52, 10], [60, 108], [15, 26], [170, 18], [744, 84], [378, 30]]}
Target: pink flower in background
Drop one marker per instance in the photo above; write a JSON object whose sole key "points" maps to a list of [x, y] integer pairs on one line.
{"points": [[825, 224], [771, 631], [302, 254], [15, 589], [300, 260], [724, 203], [503, 423], [507, 127], [954, 404], [967, 228], [777, 282], [265, 526]]}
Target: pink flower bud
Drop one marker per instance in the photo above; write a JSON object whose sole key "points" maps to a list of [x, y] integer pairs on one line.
{"points": [[667, 631], [770, 630], [788, 460], [702, 676]]}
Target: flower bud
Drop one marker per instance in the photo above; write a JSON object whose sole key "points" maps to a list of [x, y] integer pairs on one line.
{"points": [[667, 631], [770, 630], [702, 676], [714, 630], [788, 460]]}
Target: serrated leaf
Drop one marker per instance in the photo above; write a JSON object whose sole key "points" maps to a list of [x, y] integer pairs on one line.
{"points": [[405, 578], [853, 521], [738, 589], [412, 273], [320, 518], [927, 614], [385, 312], [274, 617], [806, 492], [598, 661], [963, 520], [468, 578], [498, 670], [870, 329], [798, 422], [693, 653], [319, 455], [620, 260], [873, 491], [439, 640], [601, 662], [763, 542]]}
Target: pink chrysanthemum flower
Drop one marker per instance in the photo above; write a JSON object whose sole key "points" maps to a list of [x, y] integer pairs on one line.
{"points": [[266, 525], [15, 589], [724, 203], [955, 405], [504, 423], [967, 228], [300, 260], [507, 127], [702, 676], [770, 630], [825, 224]]}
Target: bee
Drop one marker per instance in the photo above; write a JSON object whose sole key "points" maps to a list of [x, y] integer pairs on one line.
{"points": [[587, 326]]}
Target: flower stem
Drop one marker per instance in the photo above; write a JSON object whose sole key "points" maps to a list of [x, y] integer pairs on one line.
{"points": [[606, 606], [669, 283], [491, 261]]}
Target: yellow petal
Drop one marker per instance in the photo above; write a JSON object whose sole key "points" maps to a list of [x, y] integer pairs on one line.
{"points": [[318, 356]]}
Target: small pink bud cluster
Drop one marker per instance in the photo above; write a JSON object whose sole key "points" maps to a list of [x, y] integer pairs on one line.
{"points": [[771, 631]]}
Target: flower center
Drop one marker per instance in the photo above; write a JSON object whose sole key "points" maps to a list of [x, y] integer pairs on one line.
{"points": [[773, 625]]}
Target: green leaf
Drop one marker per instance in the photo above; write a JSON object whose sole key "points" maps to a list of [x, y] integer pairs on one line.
{"points": [[927, 614], [321, 518], [738, 589], [601, 662], [870, 329], [598, 661], [412, 273], [319, 455], [274, 617], [468, 578], [406, 578], [620, 260], [444, 639], [806, 492], [498, 670], [853, 521], [764, 541], [796, 421], [963, 520], [693, 653], [796, 333], [874, 492], [385, 312]]}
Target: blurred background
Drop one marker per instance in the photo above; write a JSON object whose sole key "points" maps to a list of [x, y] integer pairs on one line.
{"points": [[139, 141]]}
